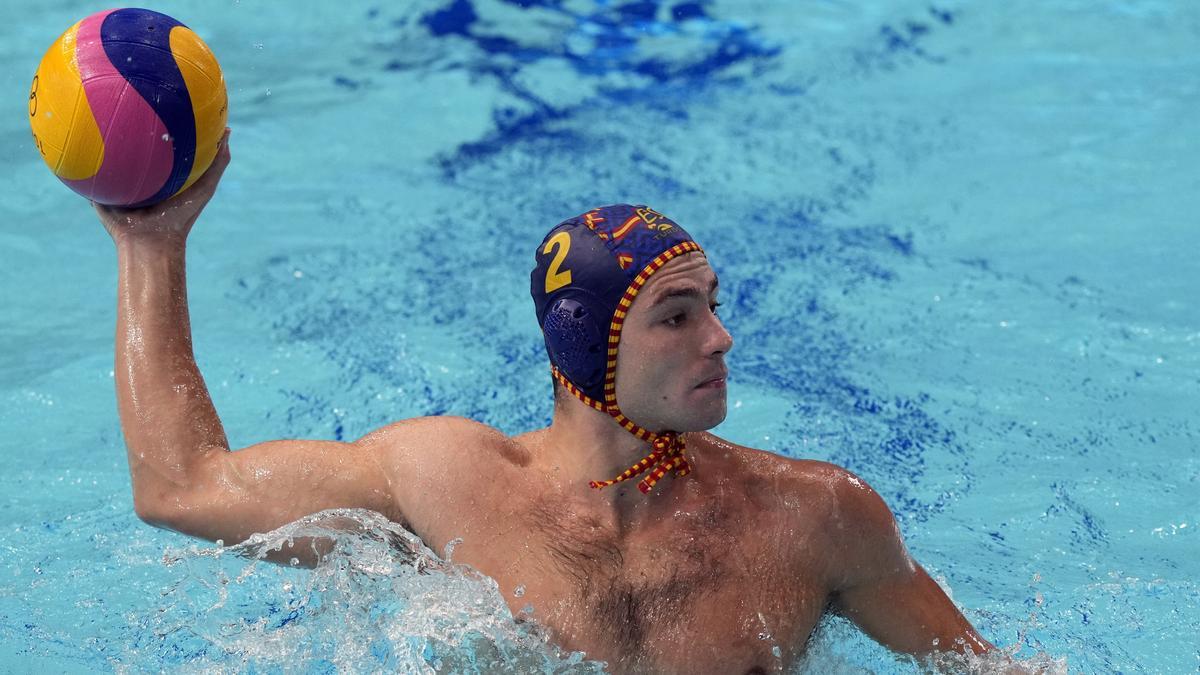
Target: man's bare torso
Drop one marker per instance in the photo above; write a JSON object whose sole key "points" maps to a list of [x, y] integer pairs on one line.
{"points": [[726, 573]]}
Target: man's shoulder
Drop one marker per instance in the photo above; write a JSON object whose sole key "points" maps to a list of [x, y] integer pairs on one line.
{"points": [[826, 487], [442, 426], [449, 438], [767, 461]]}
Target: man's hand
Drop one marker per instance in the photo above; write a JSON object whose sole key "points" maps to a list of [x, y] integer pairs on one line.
{"points": [[172, 219]]}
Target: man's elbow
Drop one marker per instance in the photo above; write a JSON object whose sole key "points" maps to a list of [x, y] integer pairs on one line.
{"points": [[173, 504], [153, 510], [170, 507]]}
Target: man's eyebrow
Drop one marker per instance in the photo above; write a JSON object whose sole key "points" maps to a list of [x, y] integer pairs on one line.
{"points": [[689, 291]]}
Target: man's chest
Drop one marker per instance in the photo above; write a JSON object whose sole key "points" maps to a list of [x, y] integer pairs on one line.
{"points": [[688, 600]]}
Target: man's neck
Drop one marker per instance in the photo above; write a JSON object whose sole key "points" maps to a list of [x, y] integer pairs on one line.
{"points": [[582, 445]]}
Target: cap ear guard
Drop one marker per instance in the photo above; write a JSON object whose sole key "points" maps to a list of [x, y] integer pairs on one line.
{"points": [[575, 342]]}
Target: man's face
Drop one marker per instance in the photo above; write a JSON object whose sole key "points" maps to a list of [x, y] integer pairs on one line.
{"points": [[671, 359]]}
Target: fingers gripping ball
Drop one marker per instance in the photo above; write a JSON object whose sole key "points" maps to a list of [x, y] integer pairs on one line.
{"points": [[127, 107]]}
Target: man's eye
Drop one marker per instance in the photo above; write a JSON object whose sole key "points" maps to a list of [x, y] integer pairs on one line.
{"points": [[675, 320], [713, 307]]}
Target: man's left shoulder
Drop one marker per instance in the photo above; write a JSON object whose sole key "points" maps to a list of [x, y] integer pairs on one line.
{"points": [[826, 487], [716, 449]]}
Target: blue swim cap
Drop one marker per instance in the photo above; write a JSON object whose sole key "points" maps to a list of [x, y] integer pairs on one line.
{"points": [[589, 269]]}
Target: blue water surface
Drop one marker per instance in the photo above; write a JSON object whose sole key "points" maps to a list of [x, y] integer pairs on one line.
{"points": [[957, 250]]}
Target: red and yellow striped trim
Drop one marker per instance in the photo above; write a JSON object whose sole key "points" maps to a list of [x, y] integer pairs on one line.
{"points": [[575, 391], [618, 320]]}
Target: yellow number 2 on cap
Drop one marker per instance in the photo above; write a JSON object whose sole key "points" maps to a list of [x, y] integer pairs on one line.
{"points": [[555, 279]]}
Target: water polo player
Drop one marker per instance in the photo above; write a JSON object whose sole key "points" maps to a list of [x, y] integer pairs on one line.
{"points": [[638, 537]]}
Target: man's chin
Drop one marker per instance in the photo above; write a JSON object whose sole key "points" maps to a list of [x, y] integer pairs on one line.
{"points": [[708, 421], [718, 420], [699, 415]]}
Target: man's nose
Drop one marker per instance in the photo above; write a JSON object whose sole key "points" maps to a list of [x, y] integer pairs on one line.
{"points": [[719, 339]]}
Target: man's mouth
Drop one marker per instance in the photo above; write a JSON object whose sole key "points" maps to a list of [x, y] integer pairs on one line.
{"points": [[716, 382]]}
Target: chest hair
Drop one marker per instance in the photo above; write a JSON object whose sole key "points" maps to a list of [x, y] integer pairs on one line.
{"points": [[632, 592]]}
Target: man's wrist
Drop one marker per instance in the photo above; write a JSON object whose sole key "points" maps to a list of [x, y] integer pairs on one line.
{"points": [[157, 243]]}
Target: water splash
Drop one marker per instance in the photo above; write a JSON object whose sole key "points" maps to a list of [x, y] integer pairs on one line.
{"points": [[837, 646], [378, 600]]}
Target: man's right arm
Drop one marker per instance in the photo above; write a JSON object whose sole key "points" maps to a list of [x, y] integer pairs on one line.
{"points": [[184, 475]]}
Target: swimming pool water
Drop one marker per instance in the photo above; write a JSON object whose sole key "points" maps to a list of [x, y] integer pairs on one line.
{"points": [[957, 253]]}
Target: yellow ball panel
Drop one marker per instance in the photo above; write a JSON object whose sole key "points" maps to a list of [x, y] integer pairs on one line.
{"points": [[63, 127], [206, 88]]}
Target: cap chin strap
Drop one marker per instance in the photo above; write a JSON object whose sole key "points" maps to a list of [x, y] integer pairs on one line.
{"points": [[666, 456]]}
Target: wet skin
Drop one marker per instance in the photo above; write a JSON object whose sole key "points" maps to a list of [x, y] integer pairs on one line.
{"points": [[731, 575], [725, 570]]}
